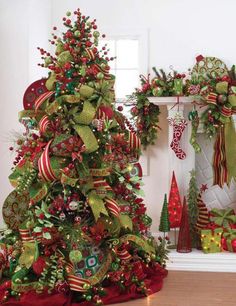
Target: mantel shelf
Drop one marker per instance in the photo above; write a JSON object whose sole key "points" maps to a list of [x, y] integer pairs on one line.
{"points": [[198, 261], [171, 100]]}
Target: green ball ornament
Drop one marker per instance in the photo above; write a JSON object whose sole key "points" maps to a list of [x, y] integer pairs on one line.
{"points": [[68, 13], [88, 298], [77, 33], [86, 286], [96, 34], [75, 256], [100, 76]]}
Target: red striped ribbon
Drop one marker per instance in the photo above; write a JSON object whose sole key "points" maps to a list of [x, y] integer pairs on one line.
{"points": [[44, 124], [39, 101], [44, 165], [123, 255], [101, 183], [90, 53], [219, 160], [212, 98], [76, 283], [226, 111], [112, 206]]}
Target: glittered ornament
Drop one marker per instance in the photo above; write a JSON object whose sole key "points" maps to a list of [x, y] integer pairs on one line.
{"points": [[75, 256], [31, 94], [73, 205], [62, 216]]}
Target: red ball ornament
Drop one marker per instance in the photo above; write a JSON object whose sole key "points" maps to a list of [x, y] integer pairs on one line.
{"points": [[105, 112], [39, 265]]}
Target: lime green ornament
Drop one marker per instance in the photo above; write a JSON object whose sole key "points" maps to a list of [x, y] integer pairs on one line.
{"points": [[100, 76], [68, 13], [77, 33], [96, 34], [75, 256]]}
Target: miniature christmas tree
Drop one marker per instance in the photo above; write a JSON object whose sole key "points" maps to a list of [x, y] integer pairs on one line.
{"points": [[174, 204], [184, 239], [77, 228], [203, 214], [164, 220], [193, 208]]}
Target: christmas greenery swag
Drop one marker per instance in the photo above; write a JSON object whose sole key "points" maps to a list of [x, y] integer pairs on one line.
{"points": [[77, 225], [145, 114]]}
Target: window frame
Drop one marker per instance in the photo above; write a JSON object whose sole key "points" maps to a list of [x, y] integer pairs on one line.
{"points": [[142, 35]]}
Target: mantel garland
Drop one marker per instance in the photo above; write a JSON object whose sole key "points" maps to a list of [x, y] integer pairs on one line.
{"points": [[145, 114]]}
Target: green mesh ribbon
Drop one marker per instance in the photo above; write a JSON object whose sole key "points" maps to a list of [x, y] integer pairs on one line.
{"points": [[230, 148], [97, 205], [83, 119]]}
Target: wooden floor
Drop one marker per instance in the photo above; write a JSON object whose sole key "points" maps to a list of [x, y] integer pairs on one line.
{"points": [[193, 289]]}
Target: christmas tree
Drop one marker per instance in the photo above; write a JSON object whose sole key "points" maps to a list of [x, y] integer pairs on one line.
{"points": [[164, 220], [77, 228], [174, 204], [193, 208], [184, 239]]}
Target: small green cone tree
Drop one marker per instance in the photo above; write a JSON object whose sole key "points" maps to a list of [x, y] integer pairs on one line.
{"points": [[164, 220], [193, 192]]}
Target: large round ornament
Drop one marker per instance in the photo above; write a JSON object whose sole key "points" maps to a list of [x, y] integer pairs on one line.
{"points": [[136, 170], [209, 67], [91, 261], [14, 209], [33, 92]]}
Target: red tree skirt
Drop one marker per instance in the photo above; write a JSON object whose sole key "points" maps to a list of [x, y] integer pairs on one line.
{"points": [[153, 281]]}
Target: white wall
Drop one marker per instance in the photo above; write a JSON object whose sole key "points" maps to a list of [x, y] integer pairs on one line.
{"points": [[179, 30]]}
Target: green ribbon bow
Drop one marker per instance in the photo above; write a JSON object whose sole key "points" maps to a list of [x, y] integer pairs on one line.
{"points": [[223, 217], [229, 236]]}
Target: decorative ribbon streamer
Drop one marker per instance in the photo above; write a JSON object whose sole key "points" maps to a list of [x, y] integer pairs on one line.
{"points": [[230, 149], [44, 165], [39, 101], [219, 160], [44, 124], [112, 206], [123, 254], [100, 183], [90, 53], [100, 172]]}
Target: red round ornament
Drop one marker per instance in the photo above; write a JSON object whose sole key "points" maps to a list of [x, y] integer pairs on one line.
{"points": [[39, 265], [36, 89]]}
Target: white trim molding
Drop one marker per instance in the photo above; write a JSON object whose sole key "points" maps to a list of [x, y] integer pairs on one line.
{"points": [[198, 261]]}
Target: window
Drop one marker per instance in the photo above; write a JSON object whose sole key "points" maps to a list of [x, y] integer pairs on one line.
{"points": [[129, 63]]}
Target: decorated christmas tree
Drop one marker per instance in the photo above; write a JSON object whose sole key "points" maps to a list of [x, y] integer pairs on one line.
{"points": [[174, 204], [184, 239], [164, 220], [193, 208], [77, 232]]}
